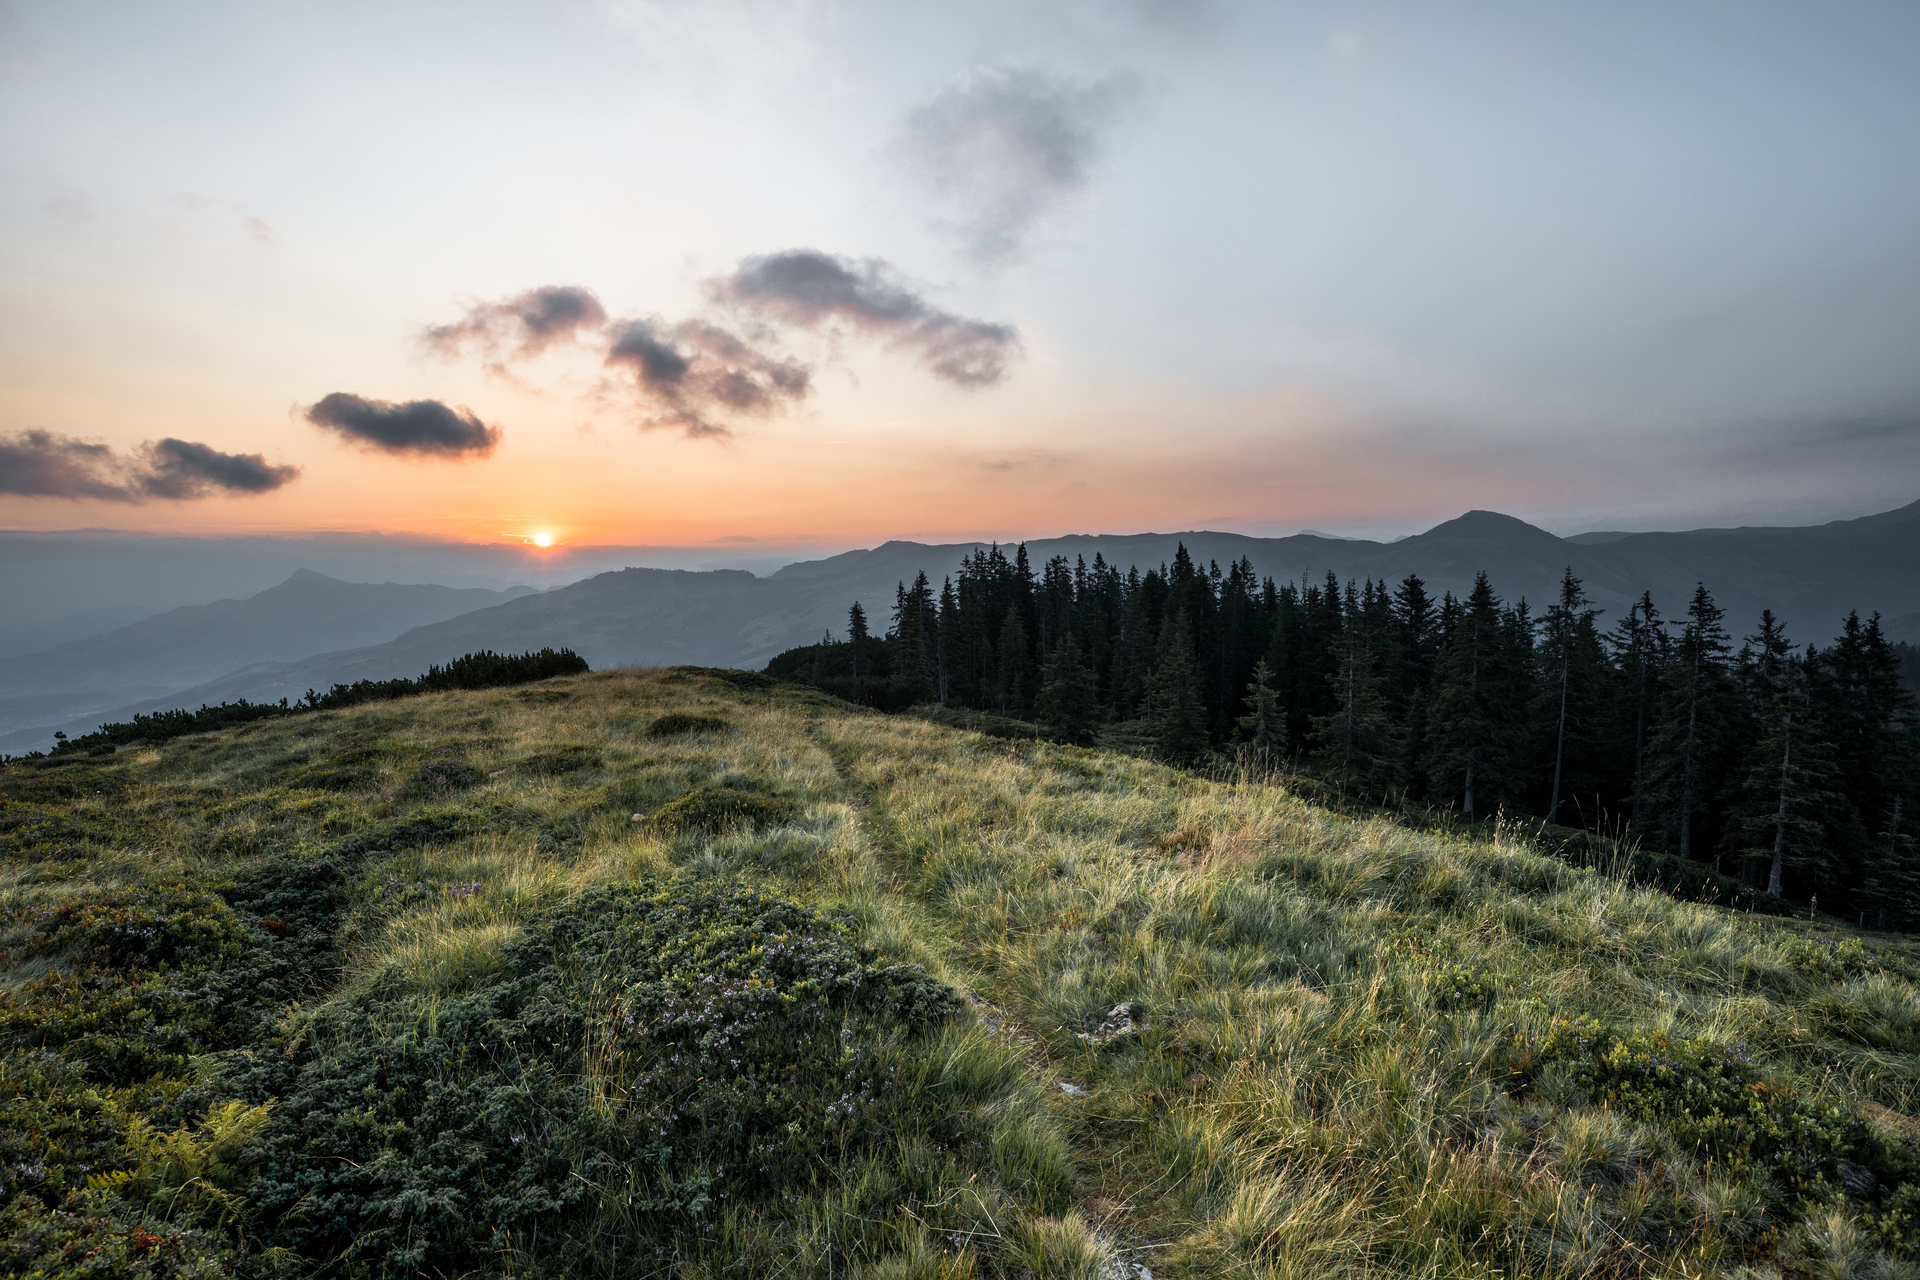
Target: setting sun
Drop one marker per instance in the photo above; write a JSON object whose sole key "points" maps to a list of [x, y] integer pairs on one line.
{"points": [[543, 539]]}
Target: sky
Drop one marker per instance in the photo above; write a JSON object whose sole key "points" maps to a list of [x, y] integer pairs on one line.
{"points": [[743, 274]]}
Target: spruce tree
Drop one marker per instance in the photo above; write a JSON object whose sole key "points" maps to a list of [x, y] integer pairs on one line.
{"points": [[1179, 713], [1266, 726], [1691, 730], [1358, 739], [1068, 706], [1869, 716], [1470, 727], [1570, 657], [857, 634], [1774, 817], [1016, 664]]}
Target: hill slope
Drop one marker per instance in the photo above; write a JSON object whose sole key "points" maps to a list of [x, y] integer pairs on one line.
{"points": [[604, 976], [160, 656]]}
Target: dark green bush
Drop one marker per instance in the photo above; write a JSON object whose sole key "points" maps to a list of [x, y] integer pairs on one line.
{"points": [[449, 775], [714, 809], [572, 757], [745, 1038], [426, 826], [1455, 986], [745, 681], [151, 927], [678, 722], [1716, 1102], [91, 1236]]}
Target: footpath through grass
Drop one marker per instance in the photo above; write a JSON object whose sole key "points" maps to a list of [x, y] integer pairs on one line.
{"points": [[679, 973]]}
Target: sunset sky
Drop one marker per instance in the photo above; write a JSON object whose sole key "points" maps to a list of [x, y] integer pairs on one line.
{"points": [[792, 273]]}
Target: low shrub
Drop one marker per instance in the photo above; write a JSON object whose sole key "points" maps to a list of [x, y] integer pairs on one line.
{"points": [[1456, 986], [678, 722], [154, 926], [1715, 1102], [745, 681], [572, 757], [679, 1046], [449, 775], [714, 809]]}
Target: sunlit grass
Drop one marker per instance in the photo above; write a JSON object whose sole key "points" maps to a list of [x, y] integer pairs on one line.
{"points": [[1307, 1096]]}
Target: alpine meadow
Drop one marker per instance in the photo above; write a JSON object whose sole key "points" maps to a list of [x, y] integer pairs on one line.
{"points": [[841, 640], [688, 972]]}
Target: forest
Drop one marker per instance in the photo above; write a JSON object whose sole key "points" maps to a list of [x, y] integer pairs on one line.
{"points": [[1789, 765]]}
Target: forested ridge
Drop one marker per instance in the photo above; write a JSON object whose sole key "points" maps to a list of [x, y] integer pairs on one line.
{"points": [[1788, 764]]}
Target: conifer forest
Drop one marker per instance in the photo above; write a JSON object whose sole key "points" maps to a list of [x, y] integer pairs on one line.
{"points": [[1786, 761]]}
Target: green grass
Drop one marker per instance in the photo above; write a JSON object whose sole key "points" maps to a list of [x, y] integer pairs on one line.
{"points": [[1366, 1048]]}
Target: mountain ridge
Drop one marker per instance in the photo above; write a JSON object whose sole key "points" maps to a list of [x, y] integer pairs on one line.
{"points": [[1809, 576]]}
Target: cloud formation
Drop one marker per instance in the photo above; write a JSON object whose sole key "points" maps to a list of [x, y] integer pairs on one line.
{"points": [[1002, 147], [525, 324], [45, 464], [698, 372], [812, 290], [693, 372], [417, 428]]}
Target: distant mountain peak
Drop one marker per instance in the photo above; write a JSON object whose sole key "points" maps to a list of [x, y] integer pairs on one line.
{"points": [[1487, 524]]}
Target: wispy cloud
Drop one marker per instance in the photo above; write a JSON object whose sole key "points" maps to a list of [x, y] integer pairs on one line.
{"points": [[522, 326], [812, 290], [692, 374], [417, 428], [1003, 147], [46, 464], [703, 373]]}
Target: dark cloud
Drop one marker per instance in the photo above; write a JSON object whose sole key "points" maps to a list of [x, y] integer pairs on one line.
{"points": [[525, 324], [180, 469], [697, 373], [423, 428], [1003, 146], [44, 464], [694, 372], [812, 290]]}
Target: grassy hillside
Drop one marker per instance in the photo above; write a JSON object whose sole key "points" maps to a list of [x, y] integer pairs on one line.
{"points": [[616, 975]]}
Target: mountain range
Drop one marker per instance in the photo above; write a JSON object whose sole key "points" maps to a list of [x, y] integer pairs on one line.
{"points": [[312, 631], [155, 657]]}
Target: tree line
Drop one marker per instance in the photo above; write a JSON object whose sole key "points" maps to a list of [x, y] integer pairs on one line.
{"points": [[1790, 766]]}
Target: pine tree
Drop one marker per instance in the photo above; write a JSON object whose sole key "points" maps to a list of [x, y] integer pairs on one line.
{"points": [[1266, 727], [1774, 818], [857, 634], [1570, 651], [1358, 739], [951, 641], [1869, 716], [915, 620], [1470, 723], [1179, 714], [1638, 647], [1691, 731], [1068, 706], [1015, 664]]}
